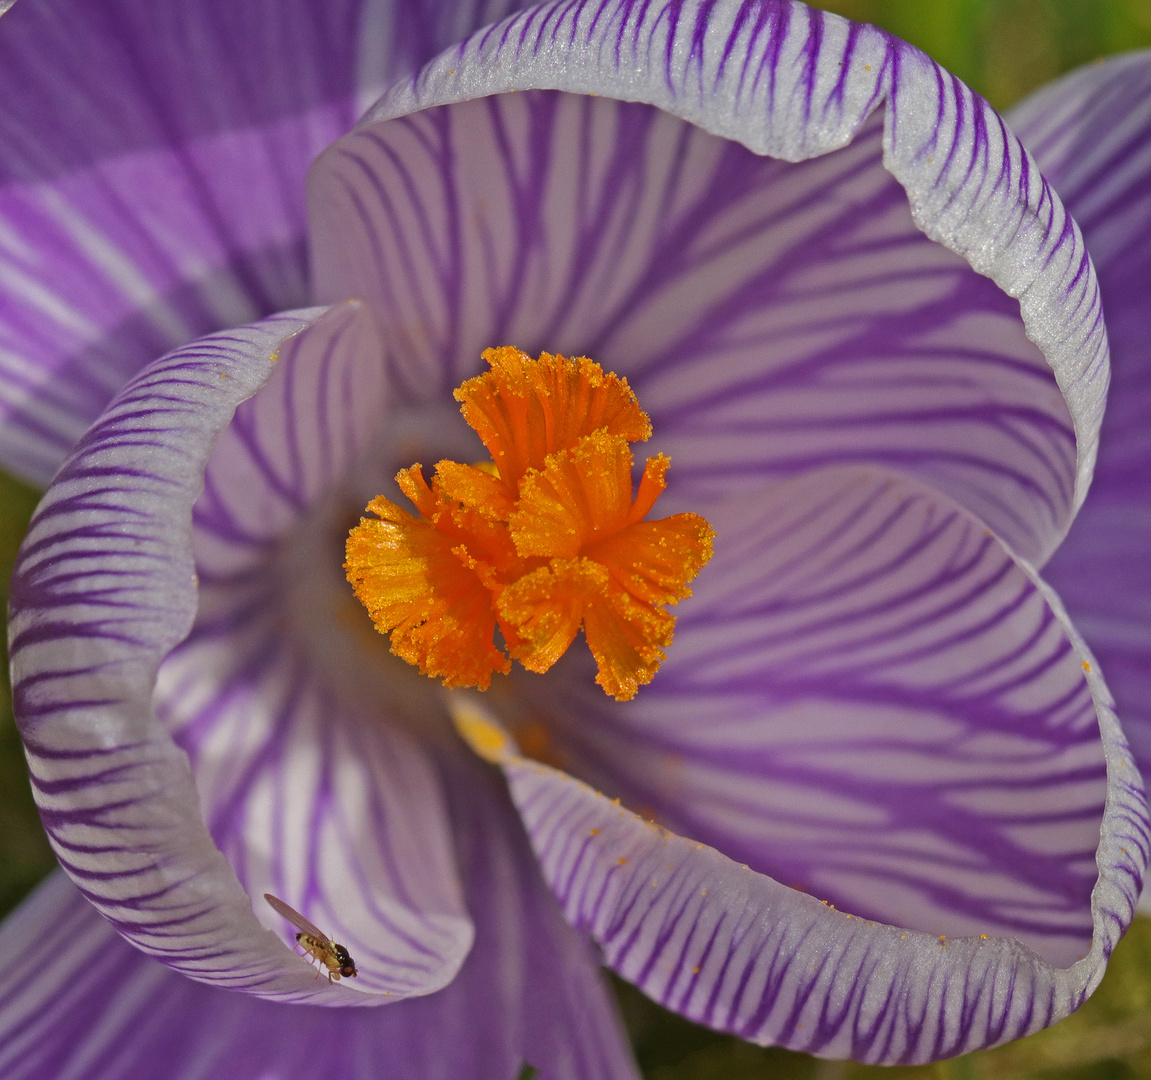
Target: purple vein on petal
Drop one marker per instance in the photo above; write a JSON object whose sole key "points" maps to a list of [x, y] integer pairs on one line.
{"points": [[773, 317]]}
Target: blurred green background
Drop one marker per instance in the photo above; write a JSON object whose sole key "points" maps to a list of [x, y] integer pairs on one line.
{"points": [[1004, 49], [1007, 48]]}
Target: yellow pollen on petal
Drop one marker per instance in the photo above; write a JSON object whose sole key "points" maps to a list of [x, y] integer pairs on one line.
{"points": [[548, 538], [484, 736]]}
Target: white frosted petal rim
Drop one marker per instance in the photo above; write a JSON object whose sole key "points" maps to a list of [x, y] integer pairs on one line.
{"points": [[737, 950], [793, 82], [104, 588]]}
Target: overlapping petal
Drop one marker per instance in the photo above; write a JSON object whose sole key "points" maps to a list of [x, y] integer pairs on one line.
{"points": [[773, 317], [873, 706], [151, 179], [104, 590], [1091, 133]]}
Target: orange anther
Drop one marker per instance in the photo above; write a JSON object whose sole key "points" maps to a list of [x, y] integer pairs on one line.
{"points": [[547, 539]]}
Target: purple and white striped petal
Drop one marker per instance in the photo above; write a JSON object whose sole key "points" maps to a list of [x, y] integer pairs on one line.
{"points": [[152, 169], [92, 1007], [870, 706], [773, 221], [1091, 133], [307, 785], [104, 589], [532, 988]]}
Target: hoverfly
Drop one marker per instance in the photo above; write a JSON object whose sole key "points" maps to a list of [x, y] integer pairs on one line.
{"points": [[316, 943]]}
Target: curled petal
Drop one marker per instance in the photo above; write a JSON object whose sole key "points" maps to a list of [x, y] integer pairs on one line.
{"points": [[772, 317], [737, 950], [870, 703], [288, 447], [105, 588], [322, 803]]}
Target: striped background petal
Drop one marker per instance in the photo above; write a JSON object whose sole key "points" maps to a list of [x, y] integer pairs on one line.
{"points": [[151, 179], [1091, 133], [94, 1008], [773, 317], [104, 588], [877, 710]]}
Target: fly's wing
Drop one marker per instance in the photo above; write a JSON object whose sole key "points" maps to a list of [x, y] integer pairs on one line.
{"points": [[296, 919]]}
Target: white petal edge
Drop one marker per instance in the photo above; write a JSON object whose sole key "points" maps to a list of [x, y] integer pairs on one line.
{"points": [[868, 700]]}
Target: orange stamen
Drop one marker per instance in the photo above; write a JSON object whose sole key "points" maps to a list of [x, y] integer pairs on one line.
{"points": [[546, 540], [525, 409]]}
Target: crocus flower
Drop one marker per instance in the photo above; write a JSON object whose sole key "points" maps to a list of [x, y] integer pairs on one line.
{"points": [[876, 802]]}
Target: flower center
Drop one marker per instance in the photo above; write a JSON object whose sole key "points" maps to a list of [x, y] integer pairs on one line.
{"points": [[546, 538]]}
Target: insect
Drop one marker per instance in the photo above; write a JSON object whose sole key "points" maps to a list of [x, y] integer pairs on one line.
{"points": [[316, 943]]}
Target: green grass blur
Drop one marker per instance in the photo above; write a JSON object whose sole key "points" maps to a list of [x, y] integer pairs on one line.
{"points": [[24, 853], [1004, 49], [1007, 48]]}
